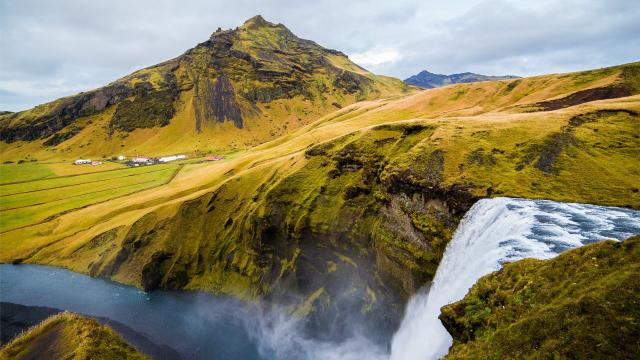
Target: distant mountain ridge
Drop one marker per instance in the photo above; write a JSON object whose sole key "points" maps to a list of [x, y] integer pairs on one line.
{"points": [[429, 80]]}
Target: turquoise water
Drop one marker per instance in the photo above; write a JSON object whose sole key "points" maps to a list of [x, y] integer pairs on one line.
{"points": [[197, 325]]}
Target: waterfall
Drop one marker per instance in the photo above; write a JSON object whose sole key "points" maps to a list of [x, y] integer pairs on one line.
{"points": [[495, 231]]}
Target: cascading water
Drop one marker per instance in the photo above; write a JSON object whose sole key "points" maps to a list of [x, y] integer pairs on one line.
{"points": [[493, 232]]}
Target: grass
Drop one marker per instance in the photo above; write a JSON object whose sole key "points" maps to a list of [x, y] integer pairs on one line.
{"points": [[30, 171], [74, 179], [31, 202], [24, 172], [69, 336]]}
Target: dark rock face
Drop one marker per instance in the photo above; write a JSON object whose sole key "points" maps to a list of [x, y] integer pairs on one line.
{"points": [[149, 108], [429, 80], [220, 101], [62, 136], [580, 97], [154, 271]]}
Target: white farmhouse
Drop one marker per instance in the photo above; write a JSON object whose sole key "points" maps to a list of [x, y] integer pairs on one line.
{"points": [[82, 162], [167, 159], [140, 160]]}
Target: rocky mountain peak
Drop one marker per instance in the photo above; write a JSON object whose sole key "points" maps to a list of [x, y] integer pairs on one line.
{"points": [[256, 22]]}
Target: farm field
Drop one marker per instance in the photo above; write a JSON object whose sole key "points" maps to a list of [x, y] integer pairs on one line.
{"points": [[28, 171], [26, 202]]}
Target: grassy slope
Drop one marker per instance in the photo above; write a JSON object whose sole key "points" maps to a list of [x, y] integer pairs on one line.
{"points": [[69, 336], [27, 203], [584, 304], [344, 196]]}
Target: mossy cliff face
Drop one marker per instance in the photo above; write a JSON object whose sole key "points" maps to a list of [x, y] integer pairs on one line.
{"points": [[233, 76], [583, 304], [69, 336]]}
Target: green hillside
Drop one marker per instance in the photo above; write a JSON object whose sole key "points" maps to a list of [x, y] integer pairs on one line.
{"points": [[584, 304]]}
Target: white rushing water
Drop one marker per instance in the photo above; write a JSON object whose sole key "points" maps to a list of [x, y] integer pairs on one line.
{"points": [[493, 232]]}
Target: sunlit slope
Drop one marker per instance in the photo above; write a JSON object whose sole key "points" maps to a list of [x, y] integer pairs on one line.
{"points": [[69, 336], [239, 88], [28, 202], [371, 193]]}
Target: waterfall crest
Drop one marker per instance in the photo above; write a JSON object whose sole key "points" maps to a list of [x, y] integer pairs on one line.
{"points": [[495, 231]]}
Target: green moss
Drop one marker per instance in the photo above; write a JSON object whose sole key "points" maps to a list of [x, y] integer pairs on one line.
{"points": [[583, 304], [307, 305]]}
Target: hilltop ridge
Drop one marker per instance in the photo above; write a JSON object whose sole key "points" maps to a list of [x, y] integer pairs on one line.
{"points": [[70, 336]]}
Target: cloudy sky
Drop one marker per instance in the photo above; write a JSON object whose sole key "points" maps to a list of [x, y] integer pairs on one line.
{"points": [[50, 49]]}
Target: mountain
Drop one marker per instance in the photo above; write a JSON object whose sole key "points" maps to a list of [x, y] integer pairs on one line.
{"points": [[428, 80], [239, 88], [69, 336], [582, 304]]}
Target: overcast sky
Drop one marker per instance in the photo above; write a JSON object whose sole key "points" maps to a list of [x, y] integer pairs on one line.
{"points": [[50, 49]]}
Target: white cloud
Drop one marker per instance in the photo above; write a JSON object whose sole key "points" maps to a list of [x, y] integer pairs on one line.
{"points": [[376, 56]]}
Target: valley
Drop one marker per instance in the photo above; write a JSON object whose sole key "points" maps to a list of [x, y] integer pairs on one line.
{"points": [[334, 206]]}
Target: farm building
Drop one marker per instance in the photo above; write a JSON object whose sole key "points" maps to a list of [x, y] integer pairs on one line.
{"points": [[167, 159], [82, 162], [96, 163], [141, 160], [215, 158]]}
